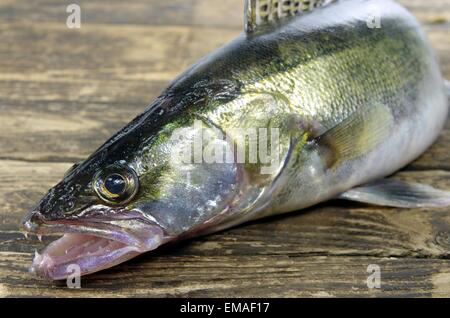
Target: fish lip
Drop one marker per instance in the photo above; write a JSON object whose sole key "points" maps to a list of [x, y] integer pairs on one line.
{"points": [[95, 228], [143, 236], [93, 224]]}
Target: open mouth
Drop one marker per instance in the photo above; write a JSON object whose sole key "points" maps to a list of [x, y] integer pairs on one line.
{"points": [[91, 245], [80, 254]]}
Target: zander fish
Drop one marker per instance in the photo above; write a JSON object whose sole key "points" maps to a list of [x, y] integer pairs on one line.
{"points": [[316, 100]]}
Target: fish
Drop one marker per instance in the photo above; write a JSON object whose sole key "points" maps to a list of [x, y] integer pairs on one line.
{"points": [[315, 100]]}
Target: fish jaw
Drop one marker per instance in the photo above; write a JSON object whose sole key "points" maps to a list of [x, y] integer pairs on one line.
{"points": [[89, 253], [92, 244]]}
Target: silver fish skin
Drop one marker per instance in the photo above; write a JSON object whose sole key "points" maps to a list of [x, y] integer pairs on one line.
{"points": [[340, 104]]}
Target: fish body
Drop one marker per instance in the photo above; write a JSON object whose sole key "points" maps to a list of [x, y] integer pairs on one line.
{"points": [[291, 114]]}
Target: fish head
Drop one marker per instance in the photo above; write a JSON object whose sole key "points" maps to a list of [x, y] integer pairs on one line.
{"points": [[91, 208], [131, 196]]}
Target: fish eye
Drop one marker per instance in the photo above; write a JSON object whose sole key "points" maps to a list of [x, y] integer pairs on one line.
{"points": [[116, 184]]}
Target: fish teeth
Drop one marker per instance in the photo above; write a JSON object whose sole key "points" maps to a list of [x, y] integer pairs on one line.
{"points": [[25, 234], [39, 236]]}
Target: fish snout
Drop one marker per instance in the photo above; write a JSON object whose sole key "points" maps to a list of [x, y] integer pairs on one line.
{"points": [[32, 221]]}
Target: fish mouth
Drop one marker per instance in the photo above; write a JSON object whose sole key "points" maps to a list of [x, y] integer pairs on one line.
{"points": [[91, 244]]}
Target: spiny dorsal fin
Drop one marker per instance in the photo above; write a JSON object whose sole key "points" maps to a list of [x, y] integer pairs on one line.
{"points": [[263, 12]]}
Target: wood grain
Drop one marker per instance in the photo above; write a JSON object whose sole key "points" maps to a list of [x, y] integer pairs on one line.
{"points": [[247, 276], [63, 92]]}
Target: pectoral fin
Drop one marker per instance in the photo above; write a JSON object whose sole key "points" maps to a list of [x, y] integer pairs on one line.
{"points": [[400, 194], [356, 135]]}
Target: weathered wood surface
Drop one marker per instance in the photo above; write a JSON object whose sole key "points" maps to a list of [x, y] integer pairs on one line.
{"points": [[63, 92]]}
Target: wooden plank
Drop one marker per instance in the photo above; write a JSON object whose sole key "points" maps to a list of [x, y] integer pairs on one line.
{"points": [[435, 12], [100, 63], [204, 13], [240, 276]]}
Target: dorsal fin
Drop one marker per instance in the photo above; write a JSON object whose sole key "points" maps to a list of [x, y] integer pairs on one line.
{"points": [[263, 12]]}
